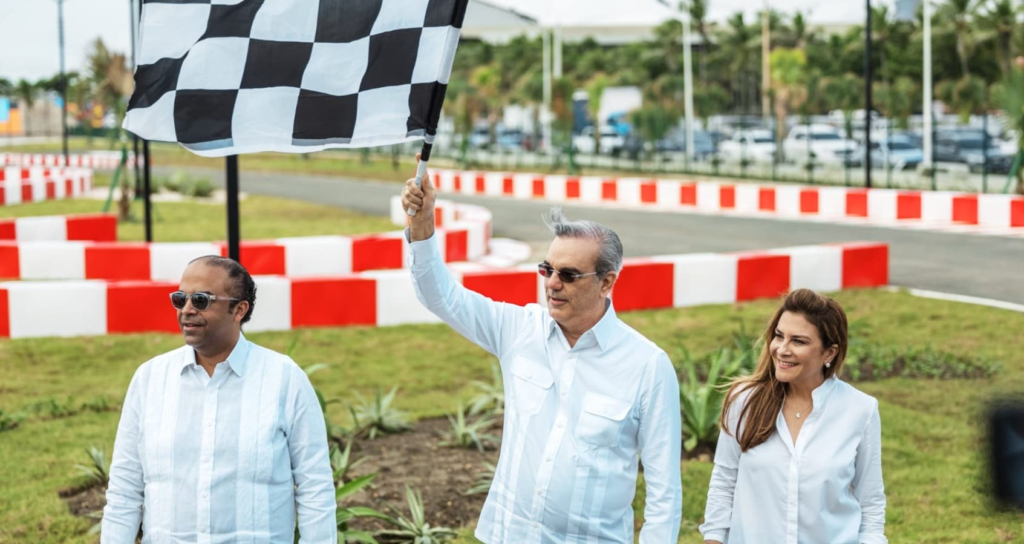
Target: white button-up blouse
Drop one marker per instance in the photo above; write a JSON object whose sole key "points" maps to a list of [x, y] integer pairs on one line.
{"points": [[826, 488]]}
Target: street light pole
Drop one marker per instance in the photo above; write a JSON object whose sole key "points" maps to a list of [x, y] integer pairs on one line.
{"points": [[926, 106], [687, 83], [63, 82], [867, 96]]}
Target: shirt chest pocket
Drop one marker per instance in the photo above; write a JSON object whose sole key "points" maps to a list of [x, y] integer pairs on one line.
{"points": [[530, 385], [601, 420]]}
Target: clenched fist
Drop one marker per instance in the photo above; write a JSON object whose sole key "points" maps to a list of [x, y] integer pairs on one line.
{"points": [[420, 200]]}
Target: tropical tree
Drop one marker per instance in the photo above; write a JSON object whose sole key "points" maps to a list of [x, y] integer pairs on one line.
{"points": [[698, 10], [486, 80], [595, 91], [1011, 97], [844, 93], [999, 20], [789, 67], [959, 15], [26, 92], [897, 100]]}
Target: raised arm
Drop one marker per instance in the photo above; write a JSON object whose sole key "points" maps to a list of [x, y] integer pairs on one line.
{"points": [[491, 325]]}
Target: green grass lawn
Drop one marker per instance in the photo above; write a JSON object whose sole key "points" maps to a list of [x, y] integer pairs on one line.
{"points": [[932, 431], [190, 221]]}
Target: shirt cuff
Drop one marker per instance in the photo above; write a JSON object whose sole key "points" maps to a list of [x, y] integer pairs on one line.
{"points": [[423, 251], [872, 538], [117, 533], [715, 535]]}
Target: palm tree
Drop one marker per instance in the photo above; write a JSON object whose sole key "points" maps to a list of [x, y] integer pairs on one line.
{"points": [[595, 91], [789, 71], [960, 14], [737, 44], [699, 15], [25, 91], [999, 22], [1011, 96], [882, 28], [487, 82], [844, 93]]}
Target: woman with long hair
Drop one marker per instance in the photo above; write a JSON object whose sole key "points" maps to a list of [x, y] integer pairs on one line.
{"points": [[799, 458]]}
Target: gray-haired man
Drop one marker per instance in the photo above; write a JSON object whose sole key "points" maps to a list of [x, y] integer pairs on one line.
{"points": [[586, 394]]}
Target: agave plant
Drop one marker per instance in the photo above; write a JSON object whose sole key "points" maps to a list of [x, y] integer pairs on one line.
{"points": [[483, 480], [464, 434], [490, 396], [341, 463], [377, 416], [415, 529], [346, 514], [701, 402], [98, 469]]}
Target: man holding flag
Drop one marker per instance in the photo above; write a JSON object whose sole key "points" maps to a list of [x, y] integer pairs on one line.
{"points": [[586, 394]]}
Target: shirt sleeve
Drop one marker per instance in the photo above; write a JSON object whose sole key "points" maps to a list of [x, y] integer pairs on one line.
{"points": [[311, 468], [660, 440], [718, 510], [488, 324], [122, 514], [867, 482]]}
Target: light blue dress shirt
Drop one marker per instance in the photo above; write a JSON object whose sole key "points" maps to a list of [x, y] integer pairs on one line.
{"points": [[220, 459]]}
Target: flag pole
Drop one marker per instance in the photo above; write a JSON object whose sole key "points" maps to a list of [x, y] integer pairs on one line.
{"points": [[234, 235]]}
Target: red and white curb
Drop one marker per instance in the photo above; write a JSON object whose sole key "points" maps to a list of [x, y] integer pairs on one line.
{"points": [[99, 227], [464, 233], [100, 160], [382, 298], [981, 213], [38, 184]]}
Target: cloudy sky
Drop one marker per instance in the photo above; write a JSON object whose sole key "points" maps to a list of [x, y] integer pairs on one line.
{"points": [[28, 28]]}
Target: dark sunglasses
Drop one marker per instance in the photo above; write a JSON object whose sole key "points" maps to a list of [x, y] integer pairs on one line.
{"points": [[200, 301], [547, 271]]}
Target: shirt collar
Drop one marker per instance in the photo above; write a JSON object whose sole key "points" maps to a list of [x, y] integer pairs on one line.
{"points": [[822, 392], [603, 331], [237, 359]]}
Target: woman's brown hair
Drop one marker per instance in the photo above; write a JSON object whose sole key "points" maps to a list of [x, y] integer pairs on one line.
{"points": [[764, 402]]}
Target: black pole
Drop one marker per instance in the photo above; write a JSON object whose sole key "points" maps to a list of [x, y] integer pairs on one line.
{"points": [[867, 97], [984, 151], [232, 194], [147, 199], [138, 176], [63, 82]]}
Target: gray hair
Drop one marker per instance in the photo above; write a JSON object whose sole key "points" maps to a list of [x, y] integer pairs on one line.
{"points": [[609, 257]]}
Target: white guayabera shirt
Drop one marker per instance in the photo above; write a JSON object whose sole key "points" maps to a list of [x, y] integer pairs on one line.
{"points": [[220, 459], [825, 488], [576, 420]]}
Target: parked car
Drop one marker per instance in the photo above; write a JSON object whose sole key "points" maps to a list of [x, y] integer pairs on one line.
{"points": [[820, 143], [899, 152], [675, 143], [611, 141], [751, 145], [968, 147]]}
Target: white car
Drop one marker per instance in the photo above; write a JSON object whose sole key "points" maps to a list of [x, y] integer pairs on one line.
{"points": [[756, 146], [610, 141], [820, 143]]}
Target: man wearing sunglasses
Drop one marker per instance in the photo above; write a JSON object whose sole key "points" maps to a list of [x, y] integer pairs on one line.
{"points": [[220, 440], [586, 395]]}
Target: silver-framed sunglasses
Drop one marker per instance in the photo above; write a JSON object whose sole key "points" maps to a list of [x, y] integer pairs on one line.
{"points": [[547, 271], [200, 301]]}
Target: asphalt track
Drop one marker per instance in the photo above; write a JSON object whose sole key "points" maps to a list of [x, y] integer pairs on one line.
{"points": [[965, 264]]}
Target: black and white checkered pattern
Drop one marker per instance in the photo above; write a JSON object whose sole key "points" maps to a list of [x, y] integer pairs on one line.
{"points": [[224, 77]]}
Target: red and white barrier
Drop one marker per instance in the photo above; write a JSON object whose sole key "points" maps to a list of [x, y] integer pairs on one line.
{"points": [[878, 206], [381, 298], [99, 160], [98, 227], [37, 184], [463, 232]]}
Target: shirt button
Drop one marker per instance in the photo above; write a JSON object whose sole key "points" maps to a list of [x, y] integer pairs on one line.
{"points": [[209, 424], [561, 424], [206, 495], [534, 525], [549, 459]]}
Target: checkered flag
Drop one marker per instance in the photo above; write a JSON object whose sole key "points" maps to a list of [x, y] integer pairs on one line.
{"points": [[224, 77]]}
